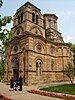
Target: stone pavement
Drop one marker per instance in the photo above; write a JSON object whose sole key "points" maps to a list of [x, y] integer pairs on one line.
{"points": [[23, 95]]}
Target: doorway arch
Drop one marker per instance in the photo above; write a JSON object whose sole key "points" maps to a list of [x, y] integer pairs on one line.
{"points": [[15, 67]]}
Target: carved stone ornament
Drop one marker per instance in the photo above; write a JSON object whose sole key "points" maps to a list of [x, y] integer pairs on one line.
{"points": [[39, 48], [16, 48]]}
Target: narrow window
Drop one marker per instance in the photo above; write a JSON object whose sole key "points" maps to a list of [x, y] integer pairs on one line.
{"points": [[52, 65], [18, 19], [18, 32], [38, 67], [49, 23], [22, 17], [36, 19], [54, 24], [33, 17]]}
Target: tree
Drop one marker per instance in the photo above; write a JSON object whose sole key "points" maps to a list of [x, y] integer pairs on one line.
{"points": [[69, 71], [1, 3], [5, 36], [72, 47]]}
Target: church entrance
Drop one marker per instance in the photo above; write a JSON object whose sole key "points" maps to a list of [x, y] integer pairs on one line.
{"points": [[16, 74], [15, 67]]}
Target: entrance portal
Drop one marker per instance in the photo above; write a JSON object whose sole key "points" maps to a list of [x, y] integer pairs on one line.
{"points": [[16, 74], [15, 67]]}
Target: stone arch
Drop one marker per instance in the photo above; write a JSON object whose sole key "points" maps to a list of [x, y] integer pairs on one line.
{"points": [[15, 67], [19, 30], [15, 61], [65, 51], [12, 51], [36, 11], [59, 50], [38, 57], [33, 17], [52, 49], [36, 30], [38, 64]]}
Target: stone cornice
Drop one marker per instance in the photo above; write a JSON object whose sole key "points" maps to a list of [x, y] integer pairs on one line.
{"points": [[54, 30], [48, 14], [23, 22], [54, 71], [27, 34]]}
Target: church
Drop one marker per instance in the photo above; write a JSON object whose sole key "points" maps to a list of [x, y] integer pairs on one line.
{"points": [[37, 51]]}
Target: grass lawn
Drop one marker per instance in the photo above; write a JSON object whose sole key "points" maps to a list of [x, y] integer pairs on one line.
{"points": [[66, 88]]}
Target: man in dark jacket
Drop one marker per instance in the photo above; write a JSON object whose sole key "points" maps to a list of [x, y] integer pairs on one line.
{"points": [[20, 83], [11, 83]]}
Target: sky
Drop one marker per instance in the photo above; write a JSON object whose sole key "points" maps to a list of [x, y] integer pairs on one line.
{"points": [[64, 9]]}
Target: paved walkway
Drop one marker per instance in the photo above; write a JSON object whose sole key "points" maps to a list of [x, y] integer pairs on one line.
{"points": [[23, 95]]}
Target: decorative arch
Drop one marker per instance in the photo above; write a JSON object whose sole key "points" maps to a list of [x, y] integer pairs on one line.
{"points": [[15, 67], [19, 30], [52, 50], [36, 30], [38, 67], [39, 46], [15, 62], [59, 51], [36, 11], [53, 64], [15, 48], [65, 51]]}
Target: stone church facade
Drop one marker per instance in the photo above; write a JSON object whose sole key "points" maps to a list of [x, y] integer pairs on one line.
{"points": [[37, 50]]}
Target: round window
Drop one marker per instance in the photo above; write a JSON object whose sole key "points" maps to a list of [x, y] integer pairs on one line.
{"points": [[18, 32], [16, 48], [39, 48]]}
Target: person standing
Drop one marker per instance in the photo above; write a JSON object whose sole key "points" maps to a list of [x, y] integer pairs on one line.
{"points": [[15, 84], [20, 83], [11, 84]]}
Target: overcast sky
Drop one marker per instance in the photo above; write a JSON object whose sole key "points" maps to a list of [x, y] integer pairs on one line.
{"points": [[64, 9]]}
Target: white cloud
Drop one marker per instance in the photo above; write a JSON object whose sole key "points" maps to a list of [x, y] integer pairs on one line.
{"points": [[69, 38], [66, 24]]}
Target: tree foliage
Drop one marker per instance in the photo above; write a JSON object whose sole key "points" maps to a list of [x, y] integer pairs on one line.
{"points": [[72, 47], [1, 3], [5, 36], [69, 71]]}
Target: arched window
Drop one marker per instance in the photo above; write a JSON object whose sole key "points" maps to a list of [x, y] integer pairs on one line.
{"points": [[52, 64], [52, 50], [16, 48], [33, 17], [49, 21], [18, 19], [21, 17], [18, 32], [36, 19], [38, 67]]}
